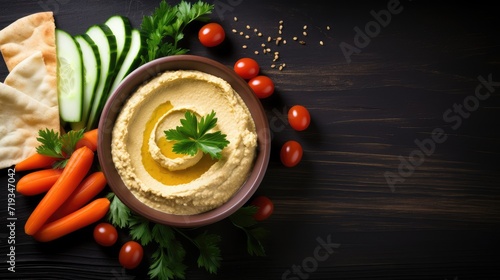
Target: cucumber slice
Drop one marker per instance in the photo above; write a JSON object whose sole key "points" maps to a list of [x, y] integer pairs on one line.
{"points": [[91, 73], [132, 60], [122, 29], [105, 41], [69, 77]]}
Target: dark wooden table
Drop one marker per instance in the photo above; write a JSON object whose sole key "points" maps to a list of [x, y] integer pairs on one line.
{"points": [[400, 174]]}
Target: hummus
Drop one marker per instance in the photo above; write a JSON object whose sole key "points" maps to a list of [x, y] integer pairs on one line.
{"points": [[176, 183]]}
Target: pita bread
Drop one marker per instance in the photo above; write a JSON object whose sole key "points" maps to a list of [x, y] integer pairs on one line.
{"points": [[20, 120], [23, 37], [30, 77]]}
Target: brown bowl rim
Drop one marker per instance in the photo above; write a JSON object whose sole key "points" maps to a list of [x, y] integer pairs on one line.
{"points": [[125, 90]]}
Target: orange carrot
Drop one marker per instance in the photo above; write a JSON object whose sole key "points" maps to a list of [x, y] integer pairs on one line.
{"points": [[38, 182], [90, 213], [89, 139], [35, 161], [76, 169], [88, 189]]}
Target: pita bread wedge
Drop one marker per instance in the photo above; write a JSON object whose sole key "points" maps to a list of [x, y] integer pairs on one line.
{"points": [[30, 77], [23, 37], [21, 117]]}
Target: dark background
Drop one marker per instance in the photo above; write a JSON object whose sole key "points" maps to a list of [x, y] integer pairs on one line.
{"points": [[439, 222]]}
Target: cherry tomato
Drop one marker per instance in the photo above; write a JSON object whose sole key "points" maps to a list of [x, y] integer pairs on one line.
{"points": [[299, 117], [262, 86], [131, 254], [246, 68], [105, 234], [211, 34], [265, 207], [291, 153]]}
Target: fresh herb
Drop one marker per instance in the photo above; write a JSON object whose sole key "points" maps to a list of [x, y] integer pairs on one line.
{"points": [[164, 28], [243, 219], [59, 146], [168, 257], [193, 135]]}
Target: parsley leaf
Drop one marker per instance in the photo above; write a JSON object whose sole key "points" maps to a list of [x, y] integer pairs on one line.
{"points": [[243, 219], [210, 256], [164, 28], [193, 135], [58, 146], [118, 214]]}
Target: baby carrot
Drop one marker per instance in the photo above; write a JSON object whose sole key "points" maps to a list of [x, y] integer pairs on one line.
{"points": [[76, 169], [35, 161], [38, 182], [89, 139], [88, 189], [90, 213]]}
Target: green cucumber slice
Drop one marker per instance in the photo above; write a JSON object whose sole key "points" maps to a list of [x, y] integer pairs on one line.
{"points": [[69, 77]]}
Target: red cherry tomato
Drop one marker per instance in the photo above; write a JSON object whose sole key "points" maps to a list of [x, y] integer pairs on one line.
{"points": [[246, 68], [211, 34], [131, 254], [291, 153], [299, 117], [262, 86], [105, 234], [265, 207]]}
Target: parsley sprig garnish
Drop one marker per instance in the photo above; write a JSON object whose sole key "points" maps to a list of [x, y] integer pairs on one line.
{"points": [[194, 135], [164, 28], [169, 253], [58, 146]]}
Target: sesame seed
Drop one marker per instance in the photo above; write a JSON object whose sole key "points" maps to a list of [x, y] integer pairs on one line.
{"points": [[284, 42], [302, 42], [256, 52], [279, 32], [268, 50], [273, 65], [321, 43], [255, 30], [281, 22], [241, 33], [295, 38], [305, 27], [259, 34], [244, 46], [235, 19], [248, 27], [281, 27], [234, 30], [328, 27], [269, 39], [304, 33], [247, 36], [280, 67]]}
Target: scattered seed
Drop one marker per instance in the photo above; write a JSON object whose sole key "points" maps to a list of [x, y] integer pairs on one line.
{"points": [[280, 67], [263, 45], [259, 34], [264, 51], [234, 31], [279, 32], [235, 19], [268, 50], [281, 22], [247, 36], [248, 27], [302, 42], [255, 30], [328, 27], [305, 27], [256, 52], [269, 39], [244, 46], [241, 33], [304, 33], [281, 27], [284, 42], [321, 43], [273, 65], [295, 38]]}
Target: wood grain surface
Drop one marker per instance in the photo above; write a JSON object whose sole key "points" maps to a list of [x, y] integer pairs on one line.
{"points": [[418, 103]]}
